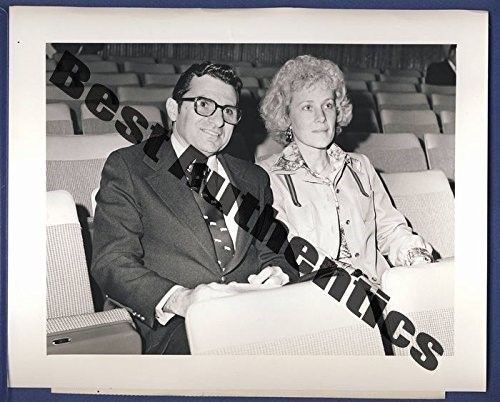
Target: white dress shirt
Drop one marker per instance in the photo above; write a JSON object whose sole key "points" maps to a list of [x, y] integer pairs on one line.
{"points": [[215, 166]]}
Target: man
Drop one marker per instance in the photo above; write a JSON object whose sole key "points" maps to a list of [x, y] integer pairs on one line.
{"points": [[159, 245], [443, 72]]}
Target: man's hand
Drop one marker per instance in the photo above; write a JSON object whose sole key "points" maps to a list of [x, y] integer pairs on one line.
{"points": [[269, 276], [182, 299]]}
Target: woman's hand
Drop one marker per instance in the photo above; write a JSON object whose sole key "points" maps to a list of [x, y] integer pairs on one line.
{"points": [[418, 256], [269, 276]]}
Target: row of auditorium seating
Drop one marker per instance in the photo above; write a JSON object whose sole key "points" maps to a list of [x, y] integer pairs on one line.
{"points": [[177, 65], [161, 75], [392, 153], [72, 117], [423, 293], [144, 82], [74, 163], [387, 95]]}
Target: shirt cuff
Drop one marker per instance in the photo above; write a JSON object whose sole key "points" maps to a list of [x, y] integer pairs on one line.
{"points": [[161, 316]]}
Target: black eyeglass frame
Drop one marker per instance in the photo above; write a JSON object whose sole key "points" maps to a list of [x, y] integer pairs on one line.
{"points": [[217, 106]]}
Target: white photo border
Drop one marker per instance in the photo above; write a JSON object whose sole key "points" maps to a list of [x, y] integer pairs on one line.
{"points": [[30, 366]]}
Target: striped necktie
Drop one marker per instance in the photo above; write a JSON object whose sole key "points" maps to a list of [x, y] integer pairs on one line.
{"points": [[212, 212]]}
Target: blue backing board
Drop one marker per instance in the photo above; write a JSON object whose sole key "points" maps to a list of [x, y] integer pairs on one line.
{"points": [[494, 155]]}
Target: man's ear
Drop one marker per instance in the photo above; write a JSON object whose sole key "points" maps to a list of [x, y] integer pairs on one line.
{"points": [[172, 109]]}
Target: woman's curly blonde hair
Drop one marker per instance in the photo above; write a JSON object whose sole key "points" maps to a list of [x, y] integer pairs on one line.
{"points": [[296, 74]]}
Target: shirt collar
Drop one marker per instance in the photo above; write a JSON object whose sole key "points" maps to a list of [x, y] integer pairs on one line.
{"points": [[290, 160]]}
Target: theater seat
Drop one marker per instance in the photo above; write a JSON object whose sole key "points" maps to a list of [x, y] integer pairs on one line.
{"points": [[364, 120], [437, 89], [50, 65], [443, 102], [93, 125], [376, 86], [83, 57], [250, 82], [447, 121], [402, 101], [73, 327], [176, 61], [160, 80], [58, 119], [440, 150], [351, 76], [399, 78], [361, 99], [266, 82], [426, 200], [390, 153], [102, 67], [233, 63], [267, 148], [299, 319], [133, 59], [261, 93], [354, 69], [74, 164], [141, 68], [417, 122], [114, 79], [356, 85], [402, 72], [257, 72], [145, 96], [180, 68], [55, 95], [425, 294]]}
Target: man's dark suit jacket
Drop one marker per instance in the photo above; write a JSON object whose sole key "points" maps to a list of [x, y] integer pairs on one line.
{"points": [[440, 74], [149, 233]]}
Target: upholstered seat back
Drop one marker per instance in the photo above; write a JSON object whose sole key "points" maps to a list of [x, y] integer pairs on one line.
{"points": [[426, 200], [74, 164], [68, 286]]}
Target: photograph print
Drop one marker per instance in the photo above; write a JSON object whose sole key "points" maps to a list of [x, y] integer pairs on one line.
{"points": [[251, 199]]}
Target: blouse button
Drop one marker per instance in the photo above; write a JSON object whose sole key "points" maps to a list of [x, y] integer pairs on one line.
{"points": [[337, 191], [347, 222], [356, 255]]}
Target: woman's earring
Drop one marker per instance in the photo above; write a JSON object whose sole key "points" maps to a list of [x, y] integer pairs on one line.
{"points": [[289, 134], [338, 130]]}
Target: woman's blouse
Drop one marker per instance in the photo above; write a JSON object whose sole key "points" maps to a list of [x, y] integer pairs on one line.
{"points": [[346, 214]]}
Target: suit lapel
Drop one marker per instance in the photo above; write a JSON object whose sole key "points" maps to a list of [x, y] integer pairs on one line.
{"points": [[180, 201], [243, 238]]}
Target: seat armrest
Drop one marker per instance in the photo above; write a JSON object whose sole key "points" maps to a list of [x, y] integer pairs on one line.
{"points": [[106, 332]]}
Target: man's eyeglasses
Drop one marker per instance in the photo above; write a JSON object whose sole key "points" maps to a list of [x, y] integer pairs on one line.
{"points": [[207, 107]]}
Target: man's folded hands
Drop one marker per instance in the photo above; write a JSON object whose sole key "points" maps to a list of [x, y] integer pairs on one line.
{"points": [[182, 298]]}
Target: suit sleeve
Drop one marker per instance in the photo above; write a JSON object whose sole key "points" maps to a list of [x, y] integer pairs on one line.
{"points": [[267, 256], [117, 260], [394, 237]]}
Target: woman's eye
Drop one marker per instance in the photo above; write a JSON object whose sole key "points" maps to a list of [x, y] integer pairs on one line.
{"points": [[329, 105], [307, 108]]}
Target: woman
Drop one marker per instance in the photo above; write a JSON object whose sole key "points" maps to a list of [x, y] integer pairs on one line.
{"points": [[331, 198]]}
